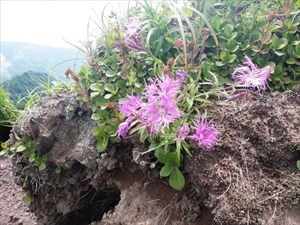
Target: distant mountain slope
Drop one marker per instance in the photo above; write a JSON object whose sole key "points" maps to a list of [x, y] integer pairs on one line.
{"points": [[17, 58], [20, 86]]}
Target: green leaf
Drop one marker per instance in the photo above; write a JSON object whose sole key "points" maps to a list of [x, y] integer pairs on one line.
{"points": [[31, 158], [110, 87], [42, 166], [96, 116], [166, 170], [111, 129], [27, 199], [256, 48], [228, 30], [97, 87], [102, 144], [165, 47], [186, 148], [110, 73], [175, 158], [108, 96], [142, 73], [2, 152], [94, 94], [278, 70], [245, 45], [255, 37], [232, 46], [99, 132], [282, 43], [216, 23], [121, 84], [297, 51], [206, 70], [101, 101], [231, 58], [293, 84], [279, 53], [298, 164], [223, 56], [162, 157], [226, 57], [275, 41], [82, 72], [58, 169], [290, 61], [176, 179], [21, 148]]}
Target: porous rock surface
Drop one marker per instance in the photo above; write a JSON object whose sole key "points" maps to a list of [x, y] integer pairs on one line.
{"points": [[249, 177]]}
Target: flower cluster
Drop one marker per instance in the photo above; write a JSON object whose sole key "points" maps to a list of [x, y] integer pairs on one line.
{"points": [[182, 132], [131, 37], [132, 26], [251, 77], [161, 108], [157, 109], [205, 132], [181, 76]]}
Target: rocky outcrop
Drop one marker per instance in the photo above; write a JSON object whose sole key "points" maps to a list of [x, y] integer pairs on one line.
{"points": [[249, 177]]}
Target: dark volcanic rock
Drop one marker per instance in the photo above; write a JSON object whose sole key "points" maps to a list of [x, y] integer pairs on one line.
{"points": [[249, 177], [62, 129]]}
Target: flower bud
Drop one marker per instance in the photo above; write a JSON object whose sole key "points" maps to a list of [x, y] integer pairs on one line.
{"points": [[179, 44], [271, 16], [117, 44]]}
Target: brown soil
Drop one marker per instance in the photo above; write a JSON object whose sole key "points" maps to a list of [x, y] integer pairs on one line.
{"points": [[250, 177], [13, 211]]}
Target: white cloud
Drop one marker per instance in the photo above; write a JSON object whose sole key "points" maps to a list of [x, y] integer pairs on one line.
{"points": [[5, 65], [48, 22]]}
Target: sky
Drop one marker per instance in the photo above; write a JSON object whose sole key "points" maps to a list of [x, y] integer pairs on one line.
{"points": [[47, 22]]}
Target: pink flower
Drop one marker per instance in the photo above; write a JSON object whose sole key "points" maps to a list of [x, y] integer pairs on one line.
{"points": [[252, 77], [182, 132], [131, 38], [205, 133], [135, 41], [161, 107], [132, 26], [130, 105], [181, 76], [123, 128], [158, 110]]}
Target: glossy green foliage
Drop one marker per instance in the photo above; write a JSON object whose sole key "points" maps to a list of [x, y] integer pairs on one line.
{"points": [[8, 111], [267, 31], [27, 147], [206, 39]]}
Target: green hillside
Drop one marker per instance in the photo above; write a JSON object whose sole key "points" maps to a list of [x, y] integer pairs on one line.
{"points": [[21, 86], [17, 58]]}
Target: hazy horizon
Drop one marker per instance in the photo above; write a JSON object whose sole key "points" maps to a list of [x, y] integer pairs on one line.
{"points": [[50, 22]]}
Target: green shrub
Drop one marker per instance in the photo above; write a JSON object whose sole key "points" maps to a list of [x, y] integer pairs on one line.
{"points": [[205, 39], [8, 111]]}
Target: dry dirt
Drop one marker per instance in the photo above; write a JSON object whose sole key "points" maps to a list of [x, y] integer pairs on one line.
{"points": [[250, 177], [13, 211]]}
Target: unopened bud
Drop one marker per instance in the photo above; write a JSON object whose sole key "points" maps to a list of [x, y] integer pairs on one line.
{"points": [[179, 44], [117, 44], [170, 62], [92, 63], [206, 31], [271, 16], [67, 72], [74, 76], [110, 105]]}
